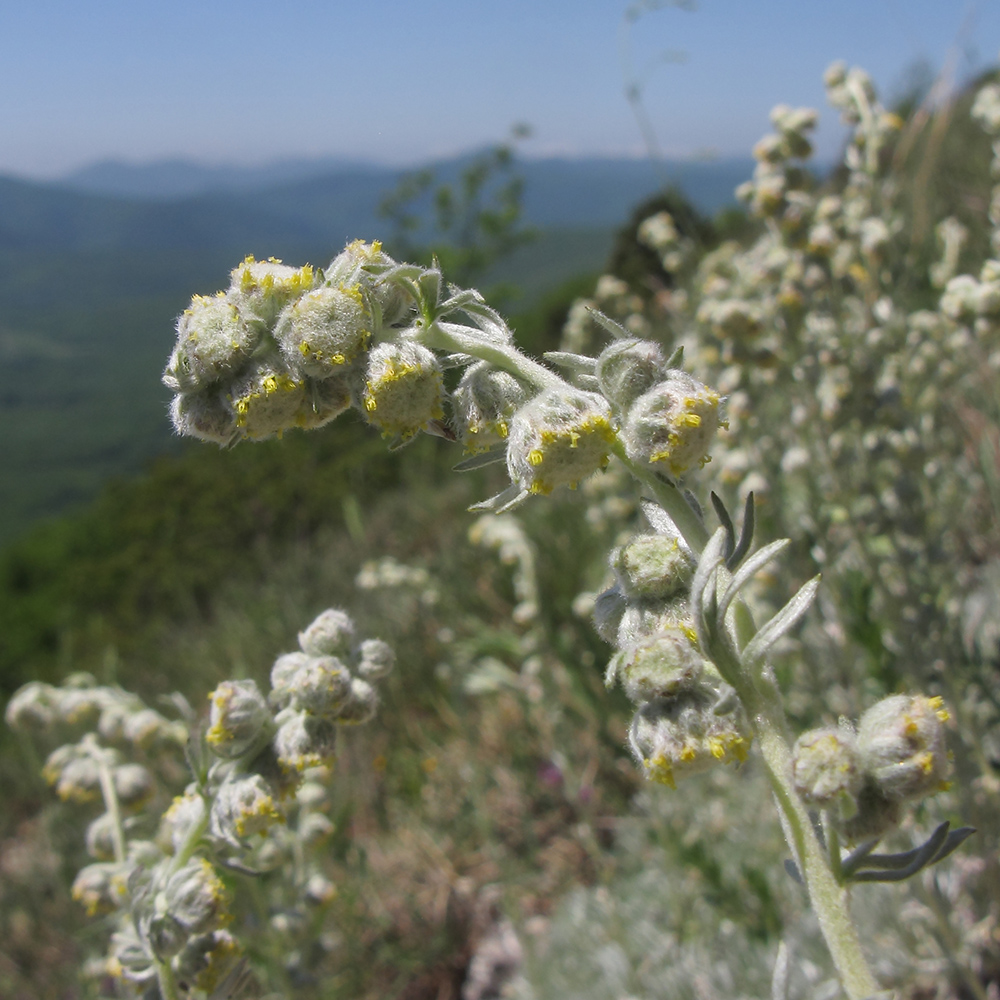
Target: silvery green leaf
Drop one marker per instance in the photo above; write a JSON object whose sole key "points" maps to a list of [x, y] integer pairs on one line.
{"points": [[746, 535], [704, 576], [615, 329], [480, 459], [753, 565], [590, 382], [677, 358], [863, 866], [564, 359], [505, 500], [659, 520], [781, 623], [727, 522]]}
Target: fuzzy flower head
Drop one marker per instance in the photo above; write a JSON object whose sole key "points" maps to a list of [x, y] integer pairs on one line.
{"points": [[628, 368], [244, 806], [659, 665], [672, 425], [325, 330], [559, 438], [304, 740], [673, 738], [652, 567], [214, 340], [206, 414], [483, 403], [196, 898], [261, 289], [902, 746], [826, 766], [101, 887], [240, 719], [330, 634], [402, 392]]}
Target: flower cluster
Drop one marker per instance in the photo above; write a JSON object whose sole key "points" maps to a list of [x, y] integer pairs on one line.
{"points": [[897, 755], [256, 803], [687, 718]]}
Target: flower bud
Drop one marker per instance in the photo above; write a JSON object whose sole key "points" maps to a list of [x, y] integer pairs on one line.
{"points": [[207, 415], [243, 806], [672, 424], [100, 838], [483, 403], [134, 785], [321, 686], [330, 634], [826, 766], [267, 401], [184, 814], [559, 438], [314, 828], [402, 389], [652, 567], [660, 665], [75, 772], [628, 368], [902, 746], [325, 330], [195, 897], [283, 674], [304, 740], [213, 341], [262, 289], [675, 737], [375, 659], [33, 706], [240, 719], [101, 888], [206, 960], [361, 705]]}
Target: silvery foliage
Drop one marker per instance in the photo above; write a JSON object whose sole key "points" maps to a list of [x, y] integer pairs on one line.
{"points": [[164, 873]]}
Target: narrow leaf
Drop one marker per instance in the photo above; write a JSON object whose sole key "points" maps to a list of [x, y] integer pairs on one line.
{"points": [[746, 535], [615, 329], [727, 522], [513, 494], [677, 358], [793, 870], [752, 566], [779, 980], [781, 623], [477, 461], [897, 867], [704, 575], [659, 520], [564, 359]]}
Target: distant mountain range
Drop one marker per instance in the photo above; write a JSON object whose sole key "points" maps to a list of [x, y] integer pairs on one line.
{"points": [[558, 191]]}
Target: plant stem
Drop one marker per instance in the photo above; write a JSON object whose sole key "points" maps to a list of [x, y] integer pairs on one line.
{"points": [[111, 804], [168, 985], [829, 900]]}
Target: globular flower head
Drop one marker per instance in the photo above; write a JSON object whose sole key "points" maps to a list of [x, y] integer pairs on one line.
{"points": [[262, 288], [267, 400], [901, 742], [402, 391], [375, 659], [240, 720], [243, 806], [196, 898], [184, 814], [324, 330], [33, 706], [100, 838], [206, 414], [558, 438], [628, 368], [331, 633], [826, 766], [133, 784], [321, 686], [75, 771], [673, 738], [652, 567], [214, 340], [361, 705], [483, 403], [283, 675], [323, 400], [659, 665], [673, 424], [101, 887], [304, 740]]}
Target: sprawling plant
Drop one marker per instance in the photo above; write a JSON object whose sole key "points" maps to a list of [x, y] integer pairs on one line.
{"points": [[809, 379]]}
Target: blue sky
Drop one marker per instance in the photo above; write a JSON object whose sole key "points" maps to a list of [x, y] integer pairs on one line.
{"points": [[404, 81]]}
